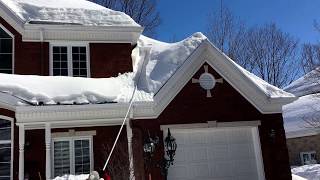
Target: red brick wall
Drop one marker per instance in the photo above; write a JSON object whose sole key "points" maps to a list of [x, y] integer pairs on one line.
{"points": [[29, 57], [107, 60], [192, 106]]}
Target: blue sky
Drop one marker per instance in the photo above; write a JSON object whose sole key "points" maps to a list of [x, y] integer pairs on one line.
{"points": [[181, 18]]}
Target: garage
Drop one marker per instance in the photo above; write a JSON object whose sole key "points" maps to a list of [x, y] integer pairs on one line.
{"points": [[217, 154]]}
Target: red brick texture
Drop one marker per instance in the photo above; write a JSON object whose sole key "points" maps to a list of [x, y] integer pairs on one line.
{"points": [[108, 60]]}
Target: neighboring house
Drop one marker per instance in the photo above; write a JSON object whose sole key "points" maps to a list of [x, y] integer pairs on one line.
{"points": [[227, 122], [302, 120]]}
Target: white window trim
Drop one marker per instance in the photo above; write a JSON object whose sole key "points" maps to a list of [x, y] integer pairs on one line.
{"points": [[69, 46], [13, 49], [11, 141], [71, 146], [306, 152]]}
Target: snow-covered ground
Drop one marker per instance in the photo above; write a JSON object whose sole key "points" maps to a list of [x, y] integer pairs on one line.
{"points": [[72, 177], [309, 172]]}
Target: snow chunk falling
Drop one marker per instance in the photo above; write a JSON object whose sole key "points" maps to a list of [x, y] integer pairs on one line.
{"points": [[68, 11]]}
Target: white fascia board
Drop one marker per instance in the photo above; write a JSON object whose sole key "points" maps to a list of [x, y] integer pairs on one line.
{"points": [[11, 18], [67, 113], [103, 34]]}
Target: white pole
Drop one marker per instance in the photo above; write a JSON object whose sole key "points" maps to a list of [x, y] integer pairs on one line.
{"points": [[21, 151], [48, 151], [130, 152]]}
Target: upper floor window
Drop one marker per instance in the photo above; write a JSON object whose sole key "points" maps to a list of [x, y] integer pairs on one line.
{"points": [[6, 51], [69, 61]]}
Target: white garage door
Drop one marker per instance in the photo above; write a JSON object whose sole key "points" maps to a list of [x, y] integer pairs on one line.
{"points": [[217, 154]]}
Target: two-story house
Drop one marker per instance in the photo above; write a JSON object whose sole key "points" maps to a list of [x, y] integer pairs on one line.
{"points": [[70, 69]]}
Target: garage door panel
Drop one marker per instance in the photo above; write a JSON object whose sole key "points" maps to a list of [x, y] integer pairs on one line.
{"points": [[178, 172], [218, 152], [198, 154], [217, 137], [214, 154], [241, 151], [200, 170]]}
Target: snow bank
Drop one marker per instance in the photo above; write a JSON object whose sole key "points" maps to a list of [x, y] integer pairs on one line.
{"points": [[67, 11], [164, 60], [72, 177], [295, 177], [308, 84], [310, 172], [295, 114]]}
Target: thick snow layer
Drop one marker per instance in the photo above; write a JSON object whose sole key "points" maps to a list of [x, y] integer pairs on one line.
{"points": [[295, 114], [67, 11], [70, 90], [154, 63], [308, 84], [310, 172], [164, 60]]}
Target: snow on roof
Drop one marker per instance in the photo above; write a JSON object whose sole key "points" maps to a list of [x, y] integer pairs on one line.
{"points": [[155, 63], [67, 11], [308, 84], [49, 90], [165, 59], [295, 115], [270, 90]]}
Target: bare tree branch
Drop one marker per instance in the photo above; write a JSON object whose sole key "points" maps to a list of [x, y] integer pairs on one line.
{"points": [[144, 12]]}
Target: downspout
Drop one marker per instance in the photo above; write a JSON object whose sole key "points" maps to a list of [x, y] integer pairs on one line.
{"points": [[41, 51]]}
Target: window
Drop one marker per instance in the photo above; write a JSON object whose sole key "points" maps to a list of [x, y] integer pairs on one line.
{"points": [[69, 61], [6, 51], [308, 157], [72, 156], [5, 149]]}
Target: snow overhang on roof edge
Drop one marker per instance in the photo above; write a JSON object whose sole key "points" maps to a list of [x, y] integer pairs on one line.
{"points": [[33, 32]]}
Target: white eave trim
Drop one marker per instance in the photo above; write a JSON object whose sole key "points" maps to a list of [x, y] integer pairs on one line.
{"points": [[105, 34]]}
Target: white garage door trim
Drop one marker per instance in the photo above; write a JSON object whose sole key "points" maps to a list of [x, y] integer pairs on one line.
{"points": [[255, 136]]}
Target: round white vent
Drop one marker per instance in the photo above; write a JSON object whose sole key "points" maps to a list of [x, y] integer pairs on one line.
{"points": [[207, 81]]}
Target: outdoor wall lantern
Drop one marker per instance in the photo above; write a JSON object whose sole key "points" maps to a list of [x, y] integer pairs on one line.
{"points": [[149, 148], [170, 148]]}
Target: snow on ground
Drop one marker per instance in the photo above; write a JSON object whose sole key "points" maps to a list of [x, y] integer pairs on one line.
{"points": [[71, 11], [308, 84], [295, 114], [295, 177], [72, 177], [309, 172]]}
